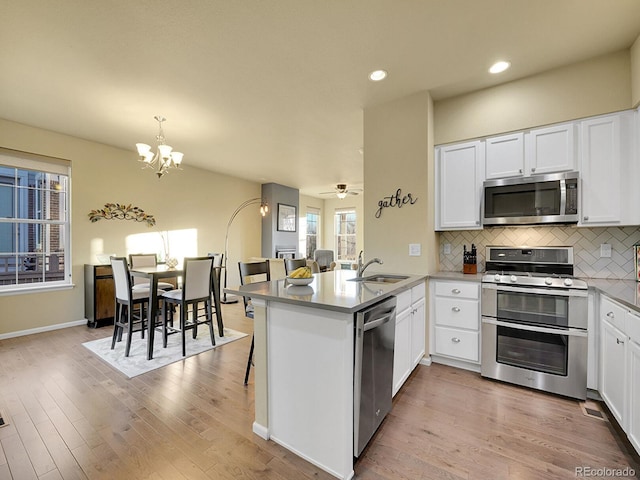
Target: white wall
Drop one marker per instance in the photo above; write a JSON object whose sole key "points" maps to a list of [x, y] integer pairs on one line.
{"points": [[192, 199]]}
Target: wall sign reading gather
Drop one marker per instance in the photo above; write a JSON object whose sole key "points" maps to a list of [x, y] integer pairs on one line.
{"points": [[395, 200]]}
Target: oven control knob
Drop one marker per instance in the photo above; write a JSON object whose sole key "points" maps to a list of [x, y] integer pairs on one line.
{"points": [[513, 278], [548, 281], [497, 277], [568, 282]]}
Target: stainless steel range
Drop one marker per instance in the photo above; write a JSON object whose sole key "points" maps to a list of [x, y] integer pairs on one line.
{"points": [[534, 320]]}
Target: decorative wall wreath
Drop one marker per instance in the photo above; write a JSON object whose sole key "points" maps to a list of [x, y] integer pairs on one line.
{"points": [[116, 211]]}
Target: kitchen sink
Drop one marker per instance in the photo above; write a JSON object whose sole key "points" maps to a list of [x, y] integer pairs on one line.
{"points": [[380, 278]]}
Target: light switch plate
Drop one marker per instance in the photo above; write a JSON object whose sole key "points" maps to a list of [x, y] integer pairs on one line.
{"points": [[447, 249], [605, 250], [414, 250]]}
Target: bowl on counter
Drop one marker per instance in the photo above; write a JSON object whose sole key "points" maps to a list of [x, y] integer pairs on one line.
{"points": [[299, 281]]}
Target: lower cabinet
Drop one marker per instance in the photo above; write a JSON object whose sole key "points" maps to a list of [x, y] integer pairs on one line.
{"points": [[633, 380], [455, 323], [409, 346], [620, 365], [99, 295]]}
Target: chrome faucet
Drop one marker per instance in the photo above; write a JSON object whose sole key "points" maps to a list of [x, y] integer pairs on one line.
{"points": [[362, 268]]}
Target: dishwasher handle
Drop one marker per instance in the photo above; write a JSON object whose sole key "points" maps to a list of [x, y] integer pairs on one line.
{"points": [[380, 320]]}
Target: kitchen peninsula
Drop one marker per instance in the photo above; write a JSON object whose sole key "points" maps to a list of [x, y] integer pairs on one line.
{"points": [[304, 360]]}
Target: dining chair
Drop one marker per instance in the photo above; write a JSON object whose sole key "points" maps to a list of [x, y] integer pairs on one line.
{"points": [[249, 272], [315, 268], [290, 264], [126, 300], [137, 260], [196, 288]]}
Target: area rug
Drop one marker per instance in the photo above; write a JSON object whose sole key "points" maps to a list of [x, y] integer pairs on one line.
{"points": [[136, 363]]}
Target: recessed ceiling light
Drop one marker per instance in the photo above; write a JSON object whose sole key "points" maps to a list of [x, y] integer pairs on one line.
{"points": [[377, 75], [499, 67]]}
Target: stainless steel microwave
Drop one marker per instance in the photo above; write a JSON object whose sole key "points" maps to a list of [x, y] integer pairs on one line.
{"points": [[534, 200]]}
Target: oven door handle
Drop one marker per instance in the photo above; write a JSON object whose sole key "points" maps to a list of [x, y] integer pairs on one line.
{"points": [[571, 332], [542, 291]]}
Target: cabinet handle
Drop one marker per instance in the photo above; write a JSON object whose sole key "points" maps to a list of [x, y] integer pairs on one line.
{"points": [[586, 218], [456, 309], [455, 340], [619, 342], [477, 222], [611, 315], [455, 291], [520, 171], [533, 169]]}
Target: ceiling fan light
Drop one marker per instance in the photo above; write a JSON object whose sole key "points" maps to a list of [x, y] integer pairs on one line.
{"points": [[341, 195]]}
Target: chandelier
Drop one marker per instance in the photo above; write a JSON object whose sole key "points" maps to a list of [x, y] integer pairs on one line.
{"points": [[164, 158]]}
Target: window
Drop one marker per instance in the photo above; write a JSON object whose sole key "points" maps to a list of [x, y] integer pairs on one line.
{"points": [[34, 221], [313, 221], [346, 234]]}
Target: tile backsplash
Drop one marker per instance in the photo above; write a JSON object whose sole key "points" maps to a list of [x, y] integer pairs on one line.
{"points": [[585, 242]]}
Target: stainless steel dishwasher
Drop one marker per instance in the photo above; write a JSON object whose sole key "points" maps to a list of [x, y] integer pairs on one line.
{"points": [[373, 370]]}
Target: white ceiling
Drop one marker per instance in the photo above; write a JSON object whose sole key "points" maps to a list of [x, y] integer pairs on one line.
{"points": [[274, 90]]}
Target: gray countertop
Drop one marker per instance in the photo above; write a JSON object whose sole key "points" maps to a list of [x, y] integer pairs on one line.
{"points": [[328, 291]]}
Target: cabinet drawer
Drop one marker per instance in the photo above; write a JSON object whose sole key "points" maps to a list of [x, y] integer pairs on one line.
{"points": [[458, 289], [613, 313], [458, 312], [417, 292], [403, 301], [105, 271], [461, 344]]}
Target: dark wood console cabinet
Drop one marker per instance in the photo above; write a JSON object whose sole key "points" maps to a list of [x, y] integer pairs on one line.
{"points": [[99, 295]]}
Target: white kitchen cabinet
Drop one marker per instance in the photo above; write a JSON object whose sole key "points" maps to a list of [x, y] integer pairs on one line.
{"points": [[608, 169], [551, 149], [459, 177], [418, 324], [455, 323], [541, 150], [504, 156], [633, 379], [409, 345], [613, 379]]}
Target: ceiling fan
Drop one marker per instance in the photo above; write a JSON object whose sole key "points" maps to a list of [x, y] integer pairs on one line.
{"points": [[341, 191]]}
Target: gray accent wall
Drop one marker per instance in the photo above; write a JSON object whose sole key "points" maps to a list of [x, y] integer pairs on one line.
{"points": [[274, 194]]}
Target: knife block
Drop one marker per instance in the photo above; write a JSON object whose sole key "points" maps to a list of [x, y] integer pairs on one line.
{"points": [[469, 268]]}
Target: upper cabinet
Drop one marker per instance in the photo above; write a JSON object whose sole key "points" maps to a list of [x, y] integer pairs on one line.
{"points": [[609, 169], [505, 156], [459, 177], [605, 150], [541, 150], [551, 149]]}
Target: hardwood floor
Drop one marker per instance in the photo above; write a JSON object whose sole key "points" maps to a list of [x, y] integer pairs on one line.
{"points": [[71, 416]]}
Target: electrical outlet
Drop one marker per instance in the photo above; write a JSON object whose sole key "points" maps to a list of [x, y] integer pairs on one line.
{"points": [[447, 249], [414, 250], [605, 250]]}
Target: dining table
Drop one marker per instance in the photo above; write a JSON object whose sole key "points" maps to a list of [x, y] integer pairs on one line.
{"points": [[161, 271]]}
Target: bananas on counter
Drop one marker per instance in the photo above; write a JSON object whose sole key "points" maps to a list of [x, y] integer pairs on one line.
{"points": [[301, 272]]}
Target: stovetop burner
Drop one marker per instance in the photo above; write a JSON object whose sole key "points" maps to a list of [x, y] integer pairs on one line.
{"points": [[548, 267]]}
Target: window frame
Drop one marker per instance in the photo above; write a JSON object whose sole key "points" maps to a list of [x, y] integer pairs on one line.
{"points": [[23, 161], [313, 211], [337, 235]]}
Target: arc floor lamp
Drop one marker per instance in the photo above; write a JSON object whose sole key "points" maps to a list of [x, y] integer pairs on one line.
{"points": [[264, 209]]}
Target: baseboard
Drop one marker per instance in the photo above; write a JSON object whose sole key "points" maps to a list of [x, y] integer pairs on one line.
{"points": [[452, 362], [261, 431], [426, 360], [48, 328]]}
